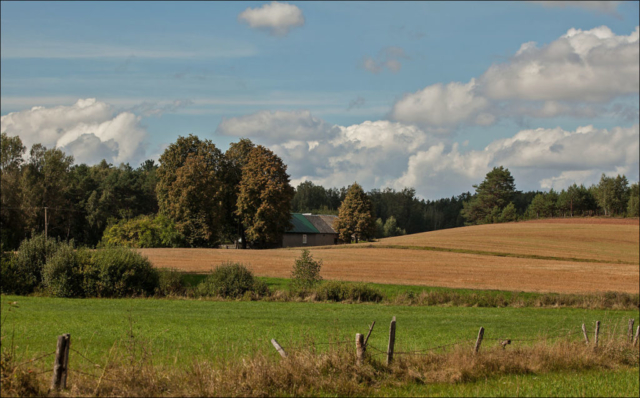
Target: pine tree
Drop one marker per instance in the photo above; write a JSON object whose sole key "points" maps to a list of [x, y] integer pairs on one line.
{"points": [[355, 217], [496, 191]]}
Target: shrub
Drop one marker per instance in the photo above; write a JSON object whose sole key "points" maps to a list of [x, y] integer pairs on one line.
{"points": [[63, 273], [120, 272], [170, 282], [343, 291], [143, 231], [11, 280], [30, 260], [306, 272], [231, 280]]}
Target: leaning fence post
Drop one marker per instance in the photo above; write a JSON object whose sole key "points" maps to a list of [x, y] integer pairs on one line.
{"points": [[630, 331], [595, 343], [584, 332], [635, 339], [392, 340], [61, 362], [479, 340], [281, 350], [359, 348]]}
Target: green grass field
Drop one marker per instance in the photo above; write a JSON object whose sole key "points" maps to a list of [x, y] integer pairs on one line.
{"points": [[180, 330]]}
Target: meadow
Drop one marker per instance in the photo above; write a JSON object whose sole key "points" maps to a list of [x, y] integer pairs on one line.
{"points": [[163, 337], [210, 346]]}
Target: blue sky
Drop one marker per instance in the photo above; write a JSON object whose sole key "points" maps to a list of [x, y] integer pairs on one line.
{"points": [[423, 94]]}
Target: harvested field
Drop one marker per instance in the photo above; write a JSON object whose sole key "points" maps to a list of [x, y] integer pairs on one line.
{"points": [[606, 240], [609, 245], [417, 267]]}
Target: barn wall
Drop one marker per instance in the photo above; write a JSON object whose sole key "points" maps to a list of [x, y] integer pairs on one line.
{"points": [[295, 240]]}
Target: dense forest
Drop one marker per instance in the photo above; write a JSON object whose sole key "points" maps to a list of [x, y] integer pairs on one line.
{"points": [[198, 196]]}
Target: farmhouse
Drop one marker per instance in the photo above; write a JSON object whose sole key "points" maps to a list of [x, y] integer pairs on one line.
{"points": [[310, 230]]}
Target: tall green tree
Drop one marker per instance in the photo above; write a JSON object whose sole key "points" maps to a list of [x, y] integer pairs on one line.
{"points": [[264, 200], [44, 184], [612, 194], [355, 217], [190, 189], [235, 159], [11, 213], [496, 191], [633, 208]]}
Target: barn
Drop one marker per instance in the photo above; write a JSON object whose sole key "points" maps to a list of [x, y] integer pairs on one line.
{"points": [[310, 230]]}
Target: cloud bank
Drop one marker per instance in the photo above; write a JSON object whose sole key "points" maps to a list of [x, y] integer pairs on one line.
{"points": [[89, 130], [384, 153]]}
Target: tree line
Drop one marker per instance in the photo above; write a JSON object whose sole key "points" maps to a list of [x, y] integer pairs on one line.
{"points": [[199, 196]]}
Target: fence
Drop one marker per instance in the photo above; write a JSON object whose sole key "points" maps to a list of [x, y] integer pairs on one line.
{"points": [[362, 344], [63, 352]]}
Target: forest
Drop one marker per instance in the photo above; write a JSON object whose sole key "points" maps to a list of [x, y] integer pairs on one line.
{"points": [[198, 196]]}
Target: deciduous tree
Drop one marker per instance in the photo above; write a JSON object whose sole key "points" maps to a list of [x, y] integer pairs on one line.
{"points": [[190, 189], [264, 199]]}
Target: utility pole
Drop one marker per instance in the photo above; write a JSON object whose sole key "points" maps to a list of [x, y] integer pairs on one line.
{"points": [[46, 223]]}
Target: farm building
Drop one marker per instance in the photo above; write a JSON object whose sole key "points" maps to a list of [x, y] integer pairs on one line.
{"points": [[310, 230]]}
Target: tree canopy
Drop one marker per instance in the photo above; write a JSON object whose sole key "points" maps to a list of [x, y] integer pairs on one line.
{"points": [[355, 217], [264, 198], [492, 196]]}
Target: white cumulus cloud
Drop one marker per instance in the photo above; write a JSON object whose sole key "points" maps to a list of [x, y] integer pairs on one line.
{"points": [[593, 65], [276, 18], [574, 75], [89, 130], [443, 106]]}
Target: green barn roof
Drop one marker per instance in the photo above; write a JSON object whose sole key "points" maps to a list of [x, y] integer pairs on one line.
{"points": [[301, 225]]}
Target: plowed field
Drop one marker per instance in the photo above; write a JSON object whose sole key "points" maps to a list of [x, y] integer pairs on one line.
{"points": [[604, 245]]}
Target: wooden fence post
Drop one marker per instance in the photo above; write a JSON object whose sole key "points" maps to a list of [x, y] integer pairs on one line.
{"points": [[597, 333], [584, 332], [479, 340], [630, 331], [61, 361], [635, 339], [392, 340], [281, 350], [359, 348], [366, 340]]}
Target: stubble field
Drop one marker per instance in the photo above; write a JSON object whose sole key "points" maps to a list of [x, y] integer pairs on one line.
{"points": [[563, 256]]}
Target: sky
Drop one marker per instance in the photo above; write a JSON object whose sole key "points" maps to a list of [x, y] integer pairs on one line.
{"points": [[428, 95]]}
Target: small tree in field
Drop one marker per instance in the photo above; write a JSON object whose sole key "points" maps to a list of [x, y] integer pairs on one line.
{"points": [[306, 271]]}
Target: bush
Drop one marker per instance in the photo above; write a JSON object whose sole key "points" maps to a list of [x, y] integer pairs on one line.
{"points": [[32, 256], [143, 231], [231, 280], [120, 272], [170, 283], [343, 291], [306, 272], [11, 280], [63, 273]]}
